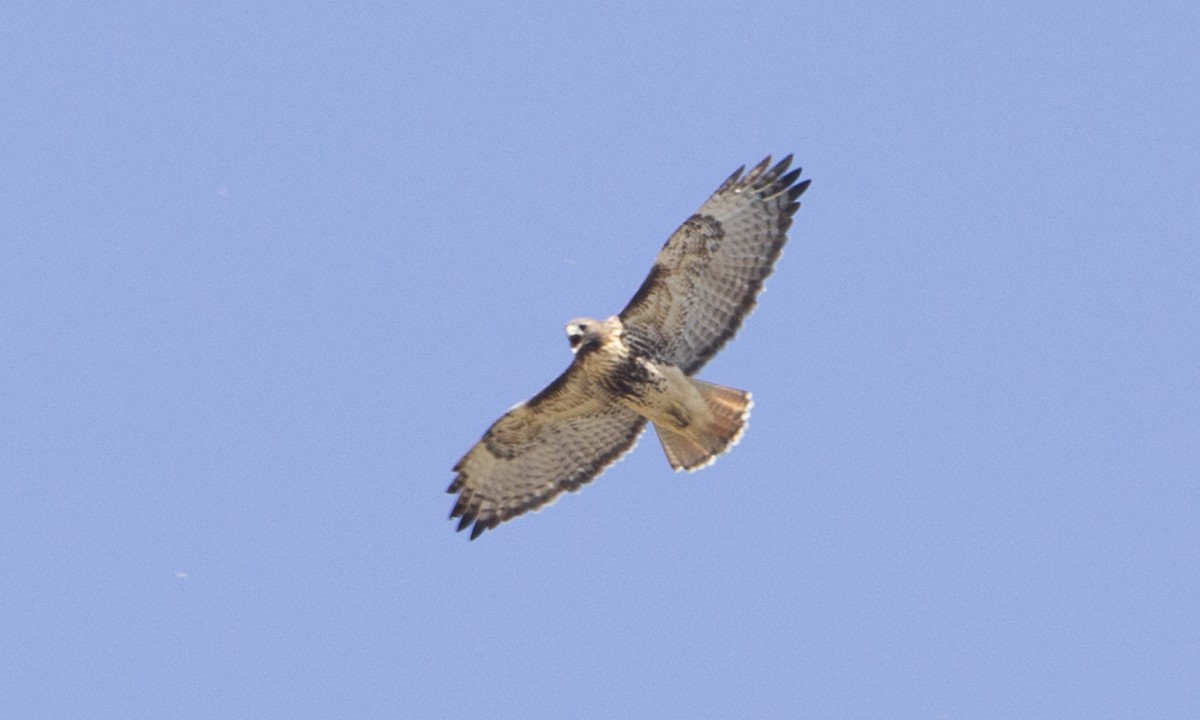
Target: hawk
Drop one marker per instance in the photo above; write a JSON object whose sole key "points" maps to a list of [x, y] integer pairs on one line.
{"points": [[637, 366]]}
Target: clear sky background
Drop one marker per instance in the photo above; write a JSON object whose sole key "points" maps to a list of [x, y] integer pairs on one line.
{"points": [[268, 270]]}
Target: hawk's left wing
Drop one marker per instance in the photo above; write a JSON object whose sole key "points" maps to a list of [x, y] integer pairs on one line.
{"points": [[559, 440], [707, 276]]}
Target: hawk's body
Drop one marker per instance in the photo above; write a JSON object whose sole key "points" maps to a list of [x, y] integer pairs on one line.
{"points": [[637, 366]]}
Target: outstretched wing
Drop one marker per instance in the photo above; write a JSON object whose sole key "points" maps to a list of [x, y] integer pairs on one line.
{"points": [[708, 275], [559, 440]]}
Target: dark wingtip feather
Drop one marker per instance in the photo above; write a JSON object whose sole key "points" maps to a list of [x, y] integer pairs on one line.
{"points": [[756, 172], [781, 167], [732, 179], [461, 507], [798, 189], [790, 178]]}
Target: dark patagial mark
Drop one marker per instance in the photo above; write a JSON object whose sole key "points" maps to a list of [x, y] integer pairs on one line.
{"points": [[657, 275]]}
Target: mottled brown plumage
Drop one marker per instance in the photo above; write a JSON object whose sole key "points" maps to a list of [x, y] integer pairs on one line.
{"points": [[635, 367]]}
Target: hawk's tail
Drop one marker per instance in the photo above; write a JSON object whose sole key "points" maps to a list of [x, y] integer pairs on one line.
{"points": [[702, 444]]}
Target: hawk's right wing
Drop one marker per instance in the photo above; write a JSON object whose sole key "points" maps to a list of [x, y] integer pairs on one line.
{"points": [[708, 275], [558, 440]]}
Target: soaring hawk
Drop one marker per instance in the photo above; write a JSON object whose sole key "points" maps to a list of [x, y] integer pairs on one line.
{"points": [[637, 366]]}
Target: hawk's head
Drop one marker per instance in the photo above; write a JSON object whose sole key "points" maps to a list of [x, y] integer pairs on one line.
{"points": [[587, 334]]}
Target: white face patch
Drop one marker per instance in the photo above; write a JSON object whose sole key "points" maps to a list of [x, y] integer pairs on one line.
{"points": [[574, 336]]}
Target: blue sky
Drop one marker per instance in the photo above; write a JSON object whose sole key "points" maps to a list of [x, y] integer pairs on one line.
{"points": [[266, 272]]}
